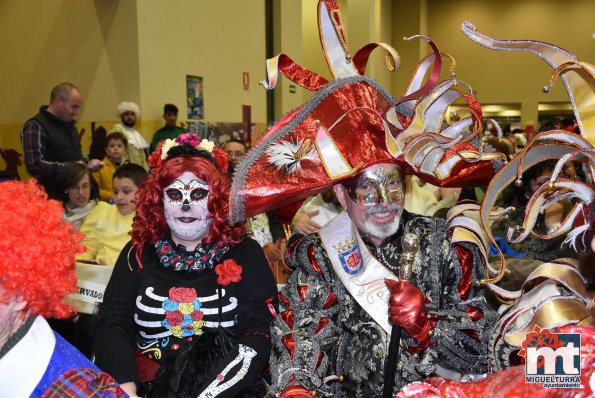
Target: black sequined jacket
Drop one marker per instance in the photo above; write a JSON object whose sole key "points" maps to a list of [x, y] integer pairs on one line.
{"points": [[325, 341]]}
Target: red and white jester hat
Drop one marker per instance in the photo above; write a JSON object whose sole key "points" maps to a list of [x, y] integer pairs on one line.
{"points": [[352, 123]]}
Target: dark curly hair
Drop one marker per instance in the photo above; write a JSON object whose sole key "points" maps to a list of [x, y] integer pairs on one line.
{"points": [[149, 224]]}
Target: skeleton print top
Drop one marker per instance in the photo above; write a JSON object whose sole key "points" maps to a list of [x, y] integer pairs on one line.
{"points": [[160, 311], [325, 341]]}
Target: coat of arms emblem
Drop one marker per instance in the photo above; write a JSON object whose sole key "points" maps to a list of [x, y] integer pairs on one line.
{"points": [[350, 256]]}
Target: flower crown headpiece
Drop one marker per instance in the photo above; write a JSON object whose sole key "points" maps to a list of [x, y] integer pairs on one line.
{"points": [[188, 144]]}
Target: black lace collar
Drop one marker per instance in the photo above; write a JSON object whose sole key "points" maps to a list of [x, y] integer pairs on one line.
{"points": [[175, 256]]}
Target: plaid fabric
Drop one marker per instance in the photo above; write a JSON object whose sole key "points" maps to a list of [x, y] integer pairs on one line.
{"points": [[84, 383], [34, 140]]}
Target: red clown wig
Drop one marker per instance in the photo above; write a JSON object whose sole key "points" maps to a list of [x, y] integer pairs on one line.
{"points": [[37, 250], [150, 225]]}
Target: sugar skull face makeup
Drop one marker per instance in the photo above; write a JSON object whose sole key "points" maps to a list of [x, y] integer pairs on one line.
{"points": [[185, 206], [376, 185]]}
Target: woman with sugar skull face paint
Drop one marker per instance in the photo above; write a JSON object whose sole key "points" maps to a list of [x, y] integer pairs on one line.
{"points": [[188, 308], [185, 206]]}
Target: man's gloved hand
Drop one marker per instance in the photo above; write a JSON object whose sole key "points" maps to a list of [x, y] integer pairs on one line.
{"points": [[407, 309], [295, 391]]}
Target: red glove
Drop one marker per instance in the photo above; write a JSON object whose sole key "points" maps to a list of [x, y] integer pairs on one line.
{"points": [[407, 309], [295, 392]]}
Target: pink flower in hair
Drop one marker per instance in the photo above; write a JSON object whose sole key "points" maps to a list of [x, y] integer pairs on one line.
{"points": [[188, 139]]}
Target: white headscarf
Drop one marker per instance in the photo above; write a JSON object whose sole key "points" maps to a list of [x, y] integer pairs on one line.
{"points": [[128, 106]]}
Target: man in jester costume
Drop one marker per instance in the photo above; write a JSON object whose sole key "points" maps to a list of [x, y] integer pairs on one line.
{"points": [[346, 294]]}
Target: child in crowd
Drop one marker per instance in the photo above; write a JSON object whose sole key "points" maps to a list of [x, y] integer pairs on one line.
{"points": [[106, 231], [115, 149]]}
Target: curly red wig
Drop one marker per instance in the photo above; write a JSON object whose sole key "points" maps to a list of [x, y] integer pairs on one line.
{"points": [[149, 224], [37, 250]]}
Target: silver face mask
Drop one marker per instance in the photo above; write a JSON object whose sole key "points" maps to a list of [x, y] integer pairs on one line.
{"points": [[371, 187]]}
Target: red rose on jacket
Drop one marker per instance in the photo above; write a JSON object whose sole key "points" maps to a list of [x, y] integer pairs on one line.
{"points": [[182, 294], [196, 315], [229, 271], [174, 318]]}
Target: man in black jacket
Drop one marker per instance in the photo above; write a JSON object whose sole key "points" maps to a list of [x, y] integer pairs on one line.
{"points": [[50, 139]]}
